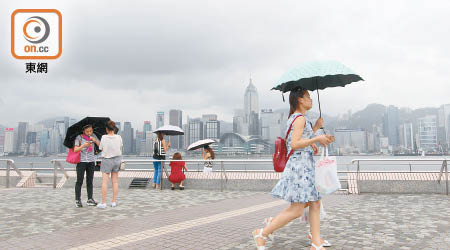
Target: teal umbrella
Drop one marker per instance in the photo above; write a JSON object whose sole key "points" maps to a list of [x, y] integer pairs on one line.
{"points": [[316, 75]]}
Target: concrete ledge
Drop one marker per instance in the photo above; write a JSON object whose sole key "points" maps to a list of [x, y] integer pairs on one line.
{"points": [[401, 187]]}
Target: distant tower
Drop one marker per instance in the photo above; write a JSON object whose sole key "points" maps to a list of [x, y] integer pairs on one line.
{"points": [[159, 119], [251, 110]]}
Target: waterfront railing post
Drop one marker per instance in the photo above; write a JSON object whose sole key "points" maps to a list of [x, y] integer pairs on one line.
{"points": [[357, 178], [221, 176], [8, 167], [54, 174], [446, 176]]}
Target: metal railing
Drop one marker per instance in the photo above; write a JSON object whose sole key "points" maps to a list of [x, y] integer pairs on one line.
{"points": [[58, 166], [407, 162], [10, 163]]}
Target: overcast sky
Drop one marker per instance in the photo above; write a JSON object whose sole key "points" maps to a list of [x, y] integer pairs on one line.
{"points": [[130, 59]]}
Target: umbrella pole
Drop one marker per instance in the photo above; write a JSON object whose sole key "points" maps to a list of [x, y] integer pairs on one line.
{"points": [[318, 99]]}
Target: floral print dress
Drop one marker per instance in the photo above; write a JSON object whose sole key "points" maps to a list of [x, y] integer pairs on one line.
{"points": [[297, 180]]}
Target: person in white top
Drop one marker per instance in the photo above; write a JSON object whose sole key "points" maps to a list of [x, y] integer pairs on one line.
{"points": [[111, 146]]}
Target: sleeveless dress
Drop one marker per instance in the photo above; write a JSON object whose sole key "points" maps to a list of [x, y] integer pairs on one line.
{"points": [[297, 180]]}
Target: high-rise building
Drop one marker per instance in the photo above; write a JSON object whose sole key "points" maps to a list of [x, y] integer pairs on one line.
{"points": [[31, 137], [212, 129], [251, 109], [391, 125], [407, 137], [127, 138], [176, 119], [72, 121], [2, 143], [66, 123], [350, 141], [427, 133], [159, 119], [271, 125], [195, 130], [147, 127], [60, 134], [21, 137], [238, 122], [209, 117], [148, 144], [444, 124], [140, 142], [9, 140], [44, 140], [119, 127], [186, 134]]}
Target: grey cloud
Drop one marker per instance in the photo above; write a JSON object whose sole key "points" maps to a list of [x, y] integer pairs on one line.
{"points": [[198, 56]]}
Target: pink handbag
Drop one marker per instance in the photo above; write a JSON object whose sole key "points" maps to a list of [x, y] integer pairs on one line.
{"points": [[73, 157]]}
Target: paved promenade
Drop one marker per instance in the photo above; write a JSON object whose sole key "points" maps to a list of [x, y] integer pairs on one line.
{"points": [[44, 218]]}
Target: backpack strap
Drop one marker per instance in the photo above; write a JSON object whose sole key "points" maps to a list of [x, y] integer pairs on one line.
{"points": [[287, 134], [292, 123]]}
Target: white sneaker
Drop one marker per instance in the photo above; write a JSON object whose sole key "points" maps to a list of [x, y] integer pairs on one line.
{"points": [[101, 205], [113, 204]]}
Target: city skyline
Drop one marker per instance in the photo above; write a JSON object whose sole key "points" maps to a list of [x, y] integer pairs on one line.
{"points": [[393, 130], [139, 123]]}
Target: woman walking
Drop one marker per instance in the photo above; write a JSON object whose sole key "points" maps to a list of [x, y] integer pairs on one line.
{"points": [[85, 146], [207, 154], [160, 147], [111, 146], [296, 185]]}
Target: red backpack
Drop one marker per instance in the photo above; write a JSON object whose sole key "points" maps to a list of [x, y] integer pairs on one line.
{"points": [[279, 157]]}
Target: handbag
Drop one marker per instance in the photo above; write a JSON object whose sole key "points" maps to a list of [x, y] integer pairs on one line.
{"points": [[74, 157], [326, 178]]}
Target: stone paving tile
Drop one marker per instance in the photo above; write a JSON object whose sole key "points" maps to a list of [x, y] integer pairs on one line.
{"points": [[375, 222], [353, 221], [27, 212]]}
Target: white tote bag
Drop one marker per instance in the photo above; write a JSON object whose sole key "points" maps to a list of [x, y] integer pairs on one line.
{"points": [[327, 180]]}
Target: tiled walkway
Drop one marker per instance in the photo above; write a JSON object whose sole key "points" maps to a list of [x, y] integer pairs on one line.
{"points": [[196, 219]]}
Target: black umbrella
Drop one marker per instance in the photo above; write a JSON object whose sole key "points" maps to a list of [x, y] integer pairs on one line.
{"points": [[98, 125]]}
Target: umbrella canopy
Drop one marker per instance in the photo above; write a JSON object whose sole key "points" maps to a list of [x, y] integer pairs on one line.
{"points": [[170, 130], [200, 144], [316, 75], [98, 125]]}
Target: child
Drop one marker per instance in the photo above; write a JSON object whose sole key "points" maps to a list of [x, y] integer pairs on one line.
{"points": [[176, 173]]}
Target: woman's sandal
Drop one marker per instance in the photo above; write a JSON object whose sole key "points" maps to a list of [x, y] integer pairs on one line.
{"points": [[267, 221], [182, 188], [259, 235], [325, 242], [317, 247]]}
